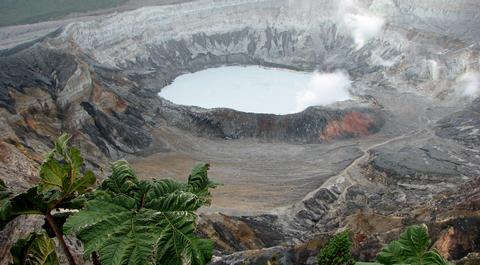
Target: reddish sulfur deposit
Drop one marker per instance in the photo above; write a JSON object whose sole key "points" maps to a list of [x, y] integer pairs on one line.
{"points": [[352, 124]]}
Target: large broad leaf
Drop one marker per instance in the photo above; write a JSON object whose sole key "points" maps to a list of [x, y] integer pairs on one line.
{"points": [[177, 243], [392, 254], [434, 258], [140, 222], [28, 202], [61, 185], [122, 181], [36, 249], [199, 183], [60, 173], [411, 248], [118, 234], [83, 184], [415, 243]]}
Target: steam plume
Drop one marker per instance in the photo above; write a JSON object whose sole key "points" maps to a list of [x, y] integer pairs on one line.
{"points": [[362, 25], [469, 85], [323, 89]]}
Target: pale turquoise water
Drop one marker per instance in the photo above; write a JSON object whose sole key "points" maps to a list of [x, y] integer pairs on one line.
{"points": [[257, 89]]}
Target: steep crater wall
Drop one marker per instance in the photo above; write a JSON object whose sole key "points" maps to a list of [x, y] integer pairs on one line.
{"points": [[99, 81]]}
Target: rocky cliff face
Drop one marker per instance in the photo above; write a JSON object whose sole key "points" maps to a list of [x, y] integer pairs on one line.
{"points": [[398, 154]]}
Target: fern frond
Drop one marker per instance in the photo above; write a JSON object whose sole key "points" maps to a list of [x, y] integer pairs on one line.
{"points": [[122, 180], [141, 222]]}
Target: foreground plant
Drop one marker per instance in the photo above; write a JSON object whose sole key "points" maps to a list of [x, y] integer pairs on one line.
{"points": [[36, 248], [412, 248], [132, 221], [125, 221], [337, 251], [62, 186]]}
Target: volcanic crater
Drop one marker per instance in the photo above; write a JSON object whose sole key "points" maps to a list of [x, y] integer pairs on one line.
{"points": [[409, 135]]}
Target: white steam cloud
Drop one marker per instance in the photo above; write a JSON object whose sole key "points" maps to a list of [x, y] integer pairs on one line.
{"points": [[363, 25], [324, 89], [469, 85]]}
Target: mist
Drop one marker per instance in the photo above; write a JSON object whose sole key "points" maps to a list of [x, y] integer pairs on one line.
{"points": [[324, 89], [469, 85], [363, 25]]}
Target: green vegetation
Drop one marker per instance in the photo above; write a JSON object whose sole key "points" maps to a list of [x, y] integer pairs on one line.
{"points": [[125, 221], [35, 249], [411, 249], [144, 222], [337, 251], [129, 221], [62, 185], [13, 12]]}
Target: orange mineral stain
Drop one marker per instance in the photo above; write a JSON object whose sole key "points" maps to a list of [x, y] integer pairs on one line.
{"points": [[353, 123]]}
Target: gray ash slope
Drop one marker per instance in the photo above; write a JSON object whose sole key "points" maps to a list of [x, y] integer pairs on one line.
{"points": [[374, 165]]}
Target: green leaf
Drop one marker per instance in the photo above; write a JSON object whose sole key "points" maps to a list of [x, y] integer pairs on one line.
{"points": [[199, 183], [392, 254], [60, 174], [177, 245], [415, 243], [73, 163], [28, 202], [103, 220], [52, 175], [35, 249], [433, 257], [74, 203], [411, 248], [60, 185], [165, 186], [122, 181], [179, 200], [198, 180], [61, 144], [141, 222], [20, 248], [83, 184]]}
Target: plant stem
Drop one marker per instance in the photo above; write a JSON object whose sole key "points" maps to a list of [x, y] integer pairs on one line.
{"points": [[60, 238], [95, 259]]}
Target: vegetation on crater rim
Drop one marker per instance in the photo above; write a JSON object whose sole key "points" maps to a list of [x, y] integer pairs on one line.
{"points": [[132, 221], [124, 221], [412, 248]]}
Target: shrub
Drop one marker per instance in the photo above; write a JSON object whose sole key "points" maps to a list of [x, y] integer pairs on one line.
{"points": [[126, 221], [412, 248], [337, 251], [63, 184]]}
